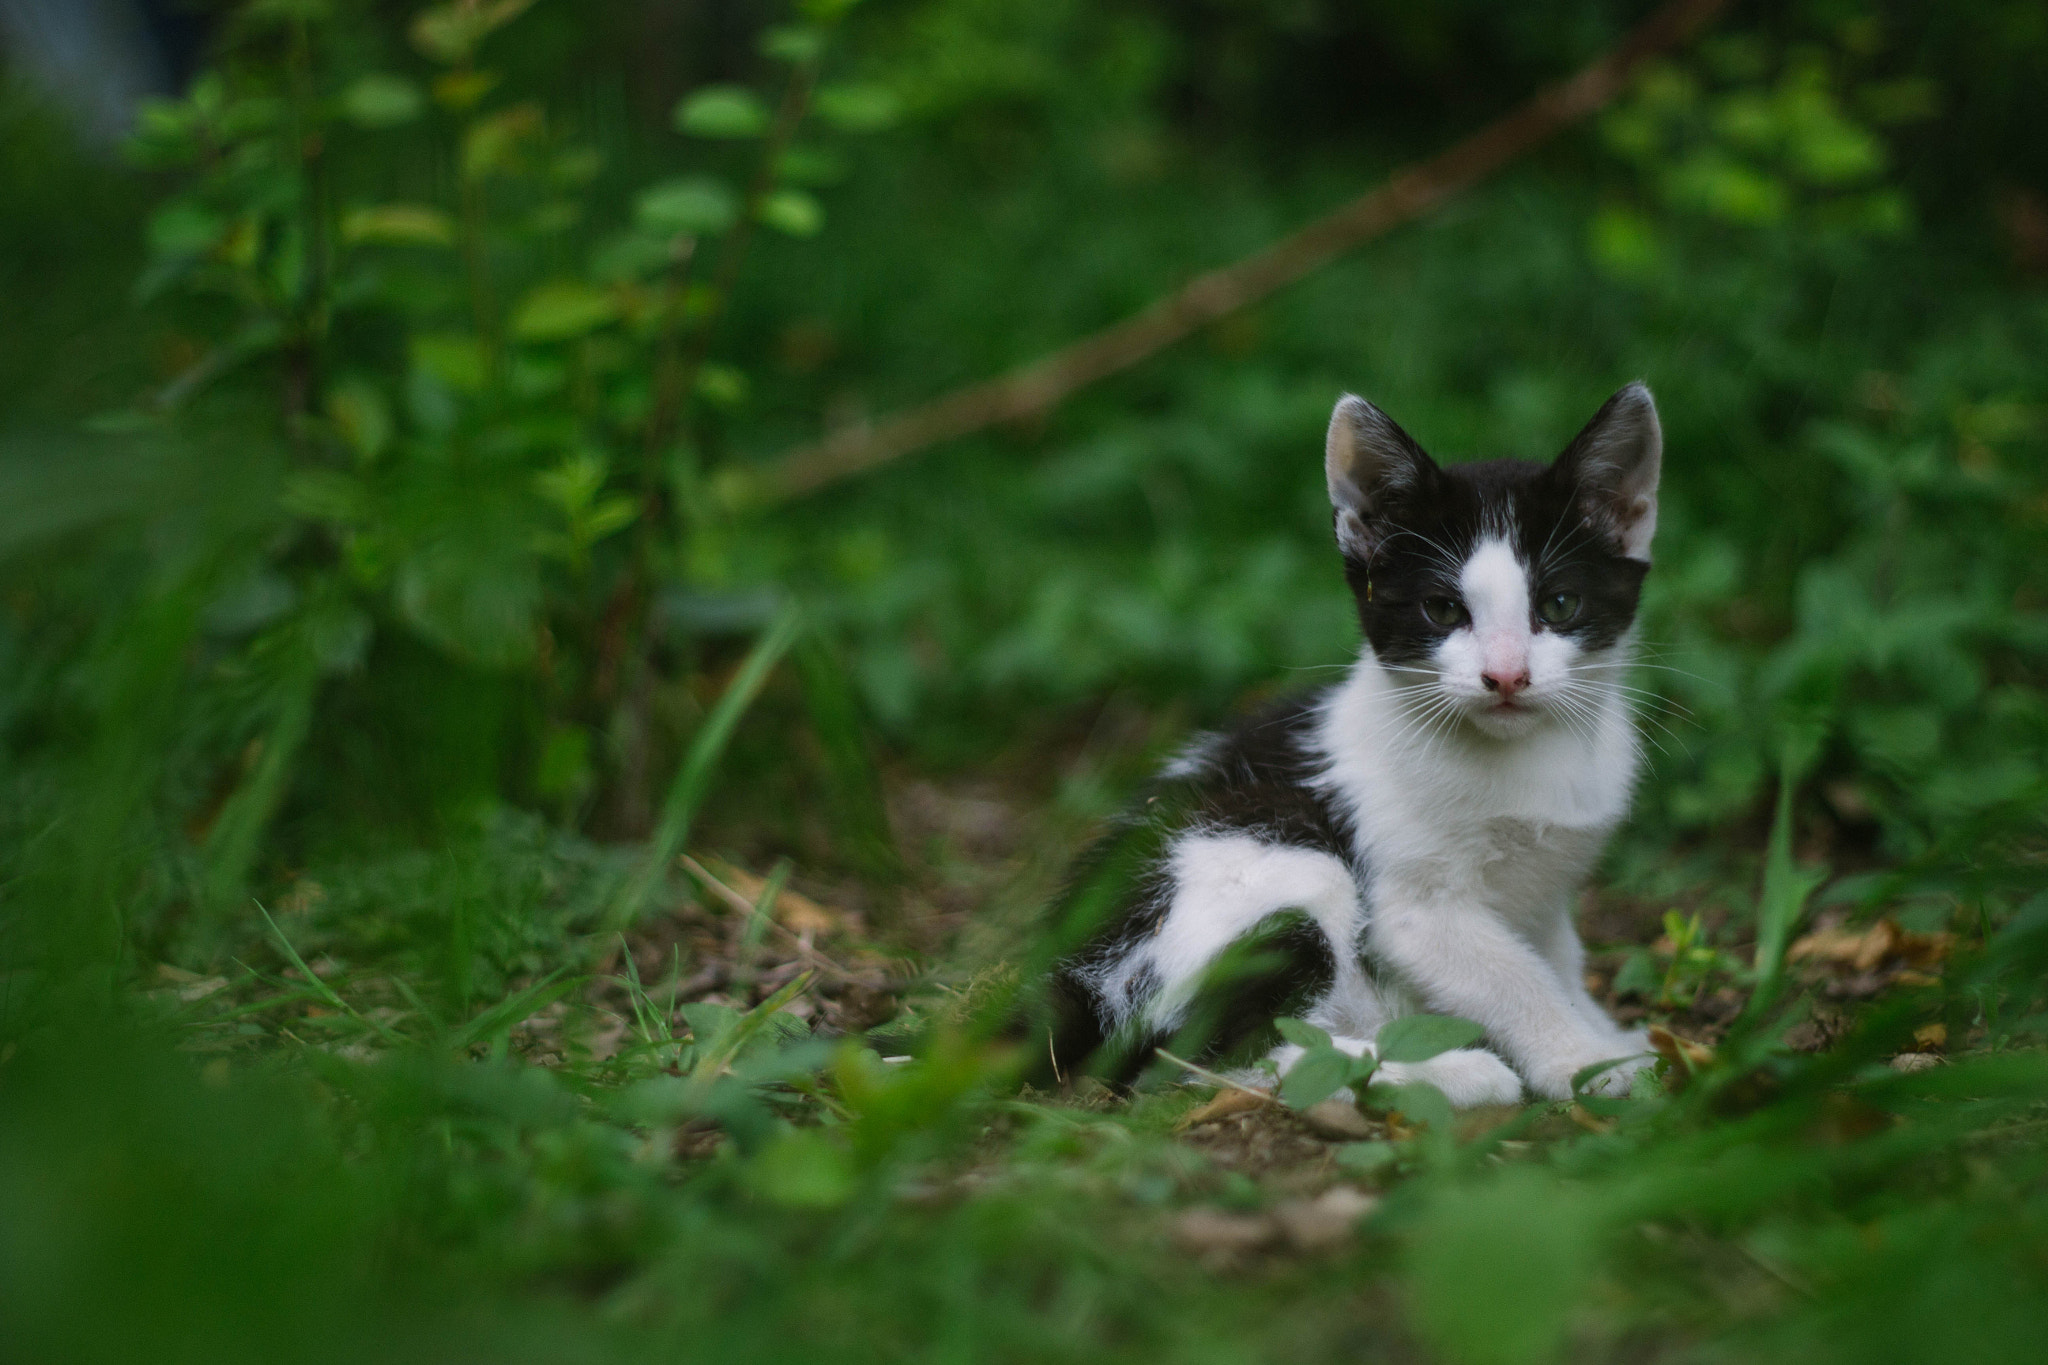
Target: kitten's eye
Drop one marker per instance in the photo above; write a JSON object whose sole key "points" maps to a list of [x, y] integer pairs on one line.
{"points": [[1445, 612], [1558, 608]]}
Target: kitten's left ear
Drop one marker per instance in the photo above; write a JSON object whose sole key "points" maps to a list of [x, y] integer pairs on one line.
{"points": [[1612, 467], [1369, 462]]}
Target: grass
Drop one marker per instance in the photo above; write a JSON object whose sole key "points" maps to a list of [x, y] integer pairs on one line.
{"points": [[342, 1016], [603, 1146]]}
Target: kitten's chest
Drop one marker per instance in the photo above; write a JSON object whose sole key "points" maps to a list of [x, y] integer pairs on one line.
{"points": [[1508, 861]]}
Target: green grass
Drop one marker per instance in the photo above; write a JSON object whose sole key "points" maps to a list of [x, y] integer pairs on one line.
{"points": [[355, 1002]]}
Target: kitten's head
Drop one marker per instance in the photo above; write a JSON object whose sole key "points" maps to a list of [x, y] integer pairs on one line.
{"points": [[1500, 589]]}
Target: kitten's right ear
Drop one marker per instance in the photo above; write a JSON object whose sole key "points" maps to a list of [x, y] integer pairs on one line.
{"points": [[1368, 460]]}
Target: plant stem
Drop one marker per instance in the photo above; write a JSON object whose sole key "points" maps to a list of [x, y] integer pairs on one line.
{"points": [[675, 384]]}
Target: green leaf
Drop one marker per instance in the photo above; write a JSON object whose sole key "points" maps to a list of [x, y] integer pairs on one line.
{"points": [[184, 229], [722, 111], [1367, 1157], [455, 359], [722, 386], [1639, 974], [361, 417], [381, 100], [1315, 1077], [803, 1169], [1586, 1075], [857, 108], [696, 205], [794, 212], [715, 1056], [793, 43], [492, 145], [450, 32], [810, 166], [327, 495], [397, 225], [1418, 1103], [709, 1023], [1419, 1037], [1301, 1033], [562, 309]]}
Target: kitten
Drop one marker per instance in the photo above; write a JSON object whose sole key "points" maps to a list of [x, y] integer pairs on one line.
{"points": [[1412, 838]]}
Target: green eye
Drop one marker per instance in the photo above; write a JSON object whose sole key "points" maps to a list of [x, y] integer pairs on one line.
{"points": [[1558, 608], [1445, 613]]}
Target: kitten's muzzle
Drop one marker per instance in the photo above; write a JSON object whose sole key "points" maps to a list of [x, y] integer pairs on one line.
{"points": [[1505, 683]]}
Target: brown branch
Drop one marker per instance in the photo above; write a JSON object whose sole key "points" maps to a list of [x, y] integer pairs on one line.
{"points": [[1041, 385]]}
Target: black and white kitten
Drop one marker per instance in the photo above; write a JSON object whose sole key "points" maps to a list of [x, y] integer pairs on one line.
{"points": [[1412, 838]]}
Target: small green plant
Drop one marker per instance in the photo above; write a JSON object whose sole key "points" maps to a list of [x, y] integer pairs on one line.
{"points": [[492, 390], [1323, 1068]]}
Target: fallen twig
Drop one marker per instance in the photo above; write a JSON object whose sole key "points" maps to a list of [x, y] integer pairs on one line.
{"points": [[734, 899], [1038, 387]]}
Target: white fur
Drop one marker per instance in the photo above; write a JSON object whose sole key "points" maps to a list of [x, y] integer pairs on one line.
{"points": [[1224, 886], [1478, 829], [1193, 758], [1479, 836], [1500, 641], [1468, 1076]]}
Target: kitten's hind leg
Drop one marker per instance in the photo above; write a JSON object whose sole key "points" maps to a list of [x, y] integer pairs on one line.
{"points": [[1294, 910]]}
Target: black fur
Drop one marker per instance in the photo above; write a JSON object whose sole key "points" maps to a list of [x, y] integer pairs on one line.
{"points": [[1556, 517]]}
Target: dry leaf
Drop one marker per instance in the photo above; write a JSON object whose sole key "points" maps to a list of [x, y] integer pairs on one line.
{"points": [[1930, 1037], [1226, 1104], [1682, 1053], [1864, 950], [793, 909]]}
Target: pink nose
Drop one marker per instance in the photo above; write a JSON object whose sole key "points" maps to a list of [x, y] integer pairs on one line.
{"points": [[1504, 682]]}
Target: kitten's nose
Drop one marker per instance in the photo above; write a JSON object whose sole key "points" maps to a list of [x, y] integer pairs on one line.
{"points": [[1505, 682]]}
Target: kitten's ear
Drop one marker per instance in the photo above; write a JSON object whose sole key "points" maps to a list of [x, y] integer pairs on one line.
{"points": [[1368, 460], [1613, 466]]}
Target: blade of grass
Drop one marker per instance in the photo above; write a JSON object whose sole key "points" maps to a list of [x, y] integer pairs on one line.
{"points": [[1781, 900], [752, 1022], [325, 991], [758, 920], [636, 994], [237, 835], [1215, 1078], [693, 779], [512, 1009], [252, 1007], [853, 781]]}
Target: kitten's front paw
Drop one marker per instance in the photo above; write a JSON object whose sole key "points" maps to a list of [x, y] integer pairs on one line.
{"points": [[1554, 1079], [1468, 1076]]}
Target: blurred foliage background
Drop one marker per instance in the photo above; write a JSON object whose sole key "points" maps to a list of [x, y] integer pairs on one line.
{"points": [[390, 574]]}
